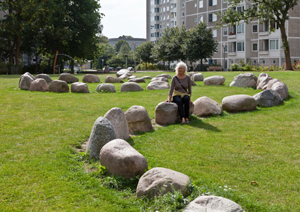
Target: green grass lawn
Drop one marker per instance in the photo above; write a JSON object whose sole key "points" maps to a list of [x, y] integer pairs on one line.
{"points": [[40, 169]]}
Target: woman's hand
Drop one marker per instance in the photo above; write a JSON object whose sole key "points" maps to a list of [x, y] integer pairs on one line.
{"points": [[191, 103]]}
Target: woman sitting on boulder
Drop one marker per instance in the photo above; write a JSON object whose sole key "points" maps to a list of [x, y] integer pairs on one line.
{"points": [[180, 91]]}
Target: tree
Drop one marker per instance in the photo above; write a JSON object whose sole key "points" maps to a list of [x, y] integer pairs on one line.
{"points": [[125, 49], [199, 43], [275, 11], [144, 51], [178, 38], [119, 44]]}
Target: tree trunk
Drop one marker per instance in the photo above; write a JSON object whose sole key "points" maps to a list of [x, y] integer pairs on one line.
{"points": [[169, 65], [286, 48], [72, 66], [17, 50], [10, 50], [201, 64], [36, 63]]}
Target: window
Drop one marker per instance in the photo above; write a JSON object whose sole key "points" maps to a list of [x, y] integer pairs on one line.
{"points": [[274, 44], [196, 5], [183, 4], [254, 28], [210, 17], [164, 17], [195, 20], [264, 61], [183, 23], [214, 33], [254, 61], [152, 18], [201, 19], [156, 10], [240, 46], [225, 31], [211, 61], [240, 28], [164, 9], [254, 47], [168, 8], [168, 17], [156, 18], [215, 17], [152, 2], [156, 26], [240, 9], [210, 2], [152, 35], [215, 2], [156, 1], [225, 48], [201, 4], [182, 14], [160, 26], [157, 34], [274, 61]]}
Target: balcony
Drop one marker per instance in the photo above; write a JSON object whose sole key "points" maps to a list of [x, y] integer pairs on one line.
{"points": [[264, 33], [263, 52], [231, 53], [231, 36]]}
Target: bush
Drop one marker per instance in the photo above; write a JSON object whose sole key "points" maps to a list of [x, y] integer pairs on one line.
{"points": [[234, 67], [146, 66], [247, 67], [3, 67]]}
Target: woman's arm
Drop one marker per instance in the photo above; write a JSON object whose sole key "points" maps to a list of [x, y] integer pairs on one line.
{"points": [[171, 90]]}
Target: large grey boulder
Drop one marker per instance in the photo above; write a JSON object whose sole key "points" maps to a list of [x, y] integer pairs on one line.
{"points": [[138, 119], [262, 81], [131, 86], [124, 76], [214, 80], [213, 204], [271, 83], [39, 85], [244, 80], [191, 74], [268, 98], [238, 103], [137, 80], [110, 79], [25, 81], [45, 77], [205, 106], [146, 77], [281, 89], [132, 77], [159, 181], [118, 120], [91, 78], [120, 158], [165, 76], [159, 79], [106, 87], [124, 71], [79, 87], [166, 113], [102, 133], [158, 85], [193, 83], [198, 77], [68, 78], [58, 86]]}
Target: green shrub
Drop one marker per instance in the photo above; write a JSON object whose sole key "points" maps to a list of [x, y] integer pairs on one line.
{"points": [[234, 67], [248, 67], [3, 67]]}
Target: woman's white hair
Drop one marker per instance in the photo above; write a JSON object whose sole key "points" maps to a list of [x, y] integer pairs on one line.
{"points": [[181, 64]]}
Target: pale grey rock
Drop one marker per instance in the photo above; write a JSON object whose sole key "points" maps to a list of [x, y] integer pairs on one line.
{"points": [[68, 78], [205, 106], [198, 77], [213, 204], [193, 83], [110, 79], [45, 77], [137, 80], [159, 79], [102, 133], [146, 77], [39, 85], [25, 81], [58, 86], [268, 98], [124, 72], [118, 120], [214, 80], [166, 113], [159, 181], [239, 103], [106, 87], [79, 87], [262, 81], [91, 78], [138, 119], [281, 89], [132, 77], [244, 80], [124, 76], [271, 83], [191, 74], [131, 86], [165, 76], [120, 158], [158, 85]]}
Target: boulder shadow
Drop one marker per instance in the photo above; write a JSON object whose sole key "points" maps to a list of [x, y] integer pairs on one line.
{"points": [[198, 123]]}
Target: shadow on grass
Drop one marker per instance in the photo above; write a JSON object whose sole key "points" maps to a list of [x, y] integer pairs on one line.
{"points": [[198, 123]]}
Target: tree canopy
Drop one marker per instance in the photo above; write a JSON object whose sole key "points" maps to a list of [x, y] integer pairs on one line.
{"points": [[275, 11], [144, 51]]}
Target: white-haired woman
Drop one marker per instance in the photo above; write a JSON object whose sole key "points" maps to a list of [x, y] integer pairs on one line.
{"points": [[180, 91]]}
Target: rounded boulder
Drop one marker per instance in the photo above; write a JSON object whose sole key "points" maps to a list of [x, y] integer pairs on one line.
{"points": [[106, 87], [45, 77], [214, 80], [68, 78], [124, 72], [118, 120], [158, 85], [262, 81], [205, 106], [131, 86], [198, 77], [137, 80], [138, 119], [166, 113], [268, 98], [159, 79], [25, 81], [165, 76], [58, 86], [39, 85], [79, 87], [239, 103], [244, 80], [90, 78], [120, 158], [110, 79]]}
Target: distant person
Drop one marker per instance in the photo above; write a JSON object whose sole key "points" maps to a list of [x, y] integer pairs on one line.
{"points": [[180, 91]]}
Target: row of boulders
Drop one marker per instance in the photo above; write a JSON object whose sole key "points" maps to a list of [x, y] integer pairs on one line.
{"points": [[107, 143]]}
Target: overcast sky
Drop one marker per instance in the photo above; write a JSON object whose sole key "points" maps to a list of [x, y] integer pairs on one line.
{"points": [[124, 18]]}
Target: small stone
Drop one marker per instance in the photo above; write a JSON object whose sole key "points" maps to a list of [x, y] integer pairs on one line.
{"points": [[110, 79], [79, 87], [106, 87], [131, 86], [90, 78], [68, 78]]}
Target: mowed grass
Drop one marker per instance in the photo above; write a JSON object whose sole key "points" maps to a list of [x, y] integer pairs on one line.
{"points": [[40, 169]]}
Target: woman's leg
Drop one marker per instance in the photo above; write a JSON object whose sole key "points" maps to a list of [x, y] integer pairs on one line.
{"points": [[186, 102], [178, 101]]}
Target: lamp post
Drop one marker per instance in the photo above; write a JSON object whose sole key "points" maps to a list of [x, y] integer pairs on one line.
{"points": [[102, 63], [224, 45], [134, 55]]}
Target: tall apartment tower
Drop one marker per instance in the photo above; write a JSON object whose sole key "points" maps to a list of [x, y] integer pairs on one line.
{"points": [[248, 42]]}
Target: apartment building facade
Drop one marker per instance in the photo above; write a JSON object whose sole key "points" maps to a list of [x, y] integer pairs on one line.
{"points": [[248, 42]]}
